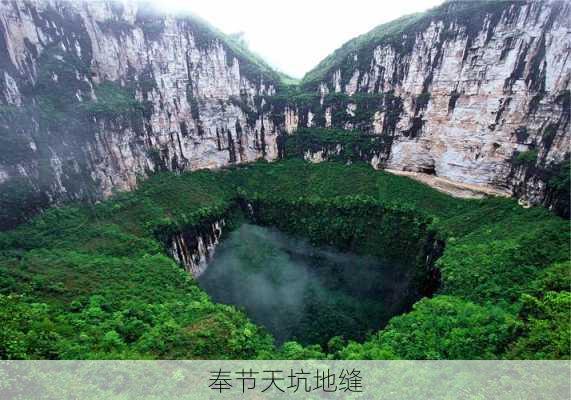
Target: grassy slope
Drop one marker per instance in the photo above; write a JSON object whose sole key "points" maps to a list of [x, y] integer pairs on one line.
{"points": [[401, 31], [240, 50], [110, 291], [375, 36]]}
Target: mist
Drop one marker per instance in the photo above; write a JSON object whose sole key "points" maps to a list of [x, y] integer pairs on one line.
{"points": [[304, 293], [295, 36]]}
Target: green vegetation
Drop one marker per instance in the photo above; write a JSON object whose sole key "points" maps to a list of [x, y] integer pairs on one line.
{"points": [[57, 102], [355, 112], [559, 186], [95, 282], [70, 107], [444, 327], [400, 34], [528, 157], [422, 100], [337, 145], [113, 101], [545, 332], [18, 200]]}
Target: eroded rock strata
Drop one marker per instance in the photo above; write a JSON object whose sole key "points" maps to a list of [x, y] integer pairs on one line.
{"points": [[95, 95], [477, 93]]}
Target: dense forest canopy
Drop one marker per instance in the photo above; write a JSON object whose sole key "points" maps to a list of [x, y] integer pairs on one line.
{"points": [[98, 279], [96, 282]]}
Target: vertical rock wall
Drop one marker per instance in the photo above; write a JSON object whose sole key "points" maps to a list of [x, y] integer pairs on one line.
{"points": [[476, 92], [94, 95], [193, 249]]}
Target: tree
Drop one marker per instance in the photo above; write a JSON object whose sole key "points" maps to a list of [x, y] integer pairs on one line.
{"points": [[444, 327]]}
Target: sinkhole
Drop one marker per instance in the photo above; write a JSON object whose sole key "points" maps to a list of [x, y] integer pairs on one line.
{"points": [[307, 293]]}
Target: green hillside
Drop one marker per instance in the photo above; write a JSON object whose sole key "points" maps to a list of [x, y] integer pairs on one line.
{"points": [[95, 282], [401, 34]]}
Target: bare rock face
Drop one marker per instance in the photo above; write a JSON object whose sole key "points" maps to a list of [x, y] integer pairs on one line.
{"points": [[94, 95], [480, 95], [194, 250]]}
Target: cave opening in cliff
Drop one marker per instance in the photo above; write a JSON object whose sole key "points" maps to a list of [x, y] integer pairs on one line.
{"points": [[307, 293]]}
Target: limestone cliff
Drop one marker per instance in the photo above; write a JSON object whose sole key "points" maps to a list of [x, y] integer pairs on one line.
{"points": [[94, 95], [476, 92]]}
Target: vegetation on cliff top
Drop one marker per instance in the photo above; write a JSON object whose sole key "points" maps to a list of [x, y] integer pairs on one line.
{"points": [[400, 34], [95, 282], [251, 64]]}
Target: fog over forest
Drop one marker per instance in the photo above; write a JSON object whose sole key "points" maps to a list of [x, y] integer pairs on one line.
{"points": [[301, 292]]}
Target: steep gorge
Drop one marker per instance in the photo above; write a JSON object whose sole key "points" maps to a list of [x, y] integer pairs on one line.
{"points": [[95, 95], [476, 92]]}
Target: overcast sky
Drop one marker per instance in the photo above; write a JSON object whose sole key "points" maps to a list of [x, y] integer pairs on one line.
{"points": [[294, 35]]}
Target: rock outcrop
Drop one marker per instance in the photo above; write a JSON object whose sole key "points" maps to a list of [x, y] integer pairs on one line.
{"points": [[475, 92], [94, 95], [194, 248]]}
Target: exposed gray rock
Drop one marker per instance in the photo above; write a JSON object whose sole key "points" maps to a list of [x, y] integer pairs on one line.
{"points": [[198, 96], [476, 90], [95, 95]]}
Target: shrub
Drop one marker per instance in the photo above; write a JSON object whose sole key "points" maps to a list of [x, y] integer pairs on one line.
{"points": [[528, 157]]}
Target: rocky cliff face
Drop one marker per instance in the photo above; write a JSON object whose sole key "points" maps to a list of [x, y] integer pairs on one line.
{"points": [[194, 248], [476, 92], [94, 95]]}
